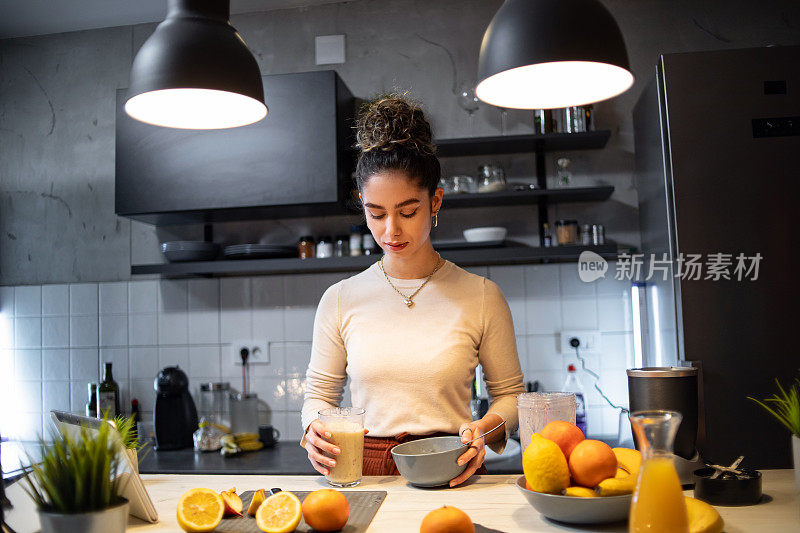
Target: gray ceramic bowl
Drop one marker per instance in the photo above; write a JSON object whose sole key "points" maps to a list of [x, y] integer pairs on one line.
{"points": [[429, 462], [572, 510]]}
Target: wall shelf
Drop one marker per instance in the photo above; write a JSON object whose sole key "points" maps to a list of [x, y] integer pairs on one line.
{"points": [[512, 253], [513, 144], [573, 194]]}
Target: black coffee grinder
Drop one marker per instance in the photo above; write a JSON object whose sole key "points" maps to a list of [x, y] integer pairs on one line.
{"points": [[673, 389], [175, 414]]}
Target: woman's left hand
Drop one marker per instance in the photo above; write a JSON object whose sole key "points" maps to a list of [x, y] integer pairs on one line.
{"points": [[474, 455]]}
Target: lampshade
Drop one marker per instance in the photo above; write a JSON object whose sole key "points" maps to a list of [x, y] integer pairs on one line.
{"points": [[544, 54], [195, 71]]}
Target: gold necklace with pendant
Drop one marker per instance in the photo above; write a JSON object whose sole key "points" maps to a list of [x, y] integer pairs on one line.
{"points": [[409, 300]]}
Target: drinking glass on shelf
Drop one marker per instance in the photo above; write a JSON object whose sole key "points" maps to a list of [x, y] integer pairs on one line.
{"points": [[468, 101], [463, 184]]}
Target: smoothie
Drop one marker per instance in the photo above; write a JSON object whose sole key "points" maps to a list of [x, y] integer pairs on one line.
{"points": [[349, 437]]}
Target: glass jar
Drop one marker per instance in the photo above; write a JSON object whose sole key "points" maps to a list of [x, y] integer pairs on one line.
{"points": [[306, 247], [370, 247], [355, 240], [537, 409], [324, 247], [567, 231], [463, 184], [340, 246], [214, 401], [586, 234], [563, 176], [244, 412], [491, 178]]}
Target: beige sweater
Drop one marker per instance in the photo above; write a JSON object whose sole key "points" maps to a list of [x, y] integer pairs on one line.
{"points": [[412, 369]]}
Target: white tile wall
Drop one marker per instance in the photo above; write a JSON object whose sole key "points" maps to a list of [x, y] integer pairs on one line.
{"points": [[55, 300], [114, 298], [60, 334], [28, 301], [83, 299]]}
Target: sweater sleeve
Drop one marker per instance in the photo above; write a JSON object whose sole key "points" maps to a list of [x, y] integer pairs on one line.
{"points": [[497, 355], [326, 374]]}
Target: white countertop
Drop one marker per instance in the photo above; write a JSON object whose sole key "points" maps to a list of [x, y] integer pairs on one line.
{"points": [[492, 501]]}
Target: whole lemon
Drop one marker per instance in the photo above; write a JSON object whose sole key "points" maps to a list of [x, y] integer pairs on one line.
{"points": [[545, 466]]}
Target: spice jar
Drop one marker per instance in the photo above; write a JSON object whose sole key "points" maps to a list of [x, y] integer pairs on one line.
{"points": [[324, 247], [340, 246], [567, 231], [306, 247], [355, 240], [586, 234], [370, 247]]}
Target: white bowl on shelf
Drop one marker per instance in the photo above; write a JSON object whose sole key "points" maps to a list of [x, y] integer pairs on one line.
{"points": [[485, 234]]}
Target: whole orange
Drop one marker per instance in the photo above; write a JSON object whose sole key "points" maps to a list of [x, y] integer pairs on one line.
{"points": [[326, 510], [566, 435], [592, 461], [447, 520]]}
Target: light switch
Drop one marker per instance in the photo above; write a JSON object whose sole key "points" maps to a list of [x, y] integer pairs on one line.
{"points": [[329, 49]]}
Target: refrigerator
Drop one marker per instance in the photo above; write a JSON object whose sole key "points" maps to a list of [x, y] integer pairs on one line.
{"points": [[717, 140]]}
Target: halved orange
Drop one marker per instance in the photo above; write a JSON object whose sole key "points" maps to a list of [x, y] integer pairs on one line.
{"points": [[280, 513], [200, 510]]}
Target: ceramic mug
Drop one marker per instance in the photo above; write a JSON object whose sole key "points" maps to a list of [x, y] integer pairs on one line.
{"points": [[268, 435]]}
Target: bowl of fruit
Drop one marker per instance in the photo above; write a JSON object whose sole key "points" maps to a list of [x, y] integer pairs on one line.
{"points": [[572, 479]]}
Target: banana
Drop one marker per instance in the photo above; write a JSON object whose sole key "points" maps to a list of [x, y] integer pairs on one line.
{"points": [[251, 446], [622, 483], [628, 464], [580, 492], [629, 460], [245, 437]]}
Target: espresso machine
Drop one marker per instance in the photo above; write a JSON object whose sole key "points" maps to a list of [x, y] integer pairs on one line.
{"points": [[673, 388], [175, 414]]}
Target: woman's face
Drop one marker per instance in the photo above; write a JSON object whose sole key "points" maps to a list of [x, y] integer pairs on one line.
{"points": [[399, 212]]}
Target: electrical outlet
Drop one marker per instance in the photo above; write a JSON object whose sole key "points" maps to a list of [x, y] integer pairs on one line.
{"points": [[589, 341], [258, 353]]}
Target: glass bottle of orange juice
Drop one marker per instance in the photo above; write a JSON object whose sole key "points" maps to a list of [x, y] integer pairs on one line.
{"points": [[658, 505]]}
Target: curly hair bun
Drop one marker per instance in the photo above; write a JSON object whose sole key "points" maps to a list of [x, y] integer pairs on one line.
{"points": [[393, 121]]}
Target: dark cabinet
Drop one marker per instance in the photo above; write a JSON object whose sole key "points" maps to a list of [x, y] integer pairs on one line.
{"points": [[298, 161]]}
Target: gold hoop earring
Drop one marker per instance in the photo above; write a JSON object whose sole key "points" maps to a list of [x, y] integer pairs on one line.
{"points": [[435, 219]]}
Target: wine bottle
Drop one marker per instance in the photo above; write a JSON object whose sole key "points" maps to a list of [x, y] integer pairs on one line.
{"points": [[91, 405], [108, 394]]}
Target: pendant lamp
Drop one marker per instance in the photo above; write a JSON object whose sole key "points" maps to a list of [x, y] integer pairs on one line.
{"points": [[195, 71], [544, 54]]}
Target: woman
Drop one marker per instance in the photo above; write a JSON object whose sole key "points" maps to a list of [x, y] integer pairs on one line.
{"points": [[409, 330]]}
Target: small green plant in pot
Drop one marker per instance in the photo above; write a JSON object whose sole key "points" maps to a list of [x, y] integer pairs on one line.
{"points": [[75, 486], [126, 427], [785, 407]]}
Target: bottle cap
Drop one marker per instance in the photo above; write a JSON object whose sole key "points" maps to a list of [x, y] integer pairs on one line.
{"points": [[571, 368]]}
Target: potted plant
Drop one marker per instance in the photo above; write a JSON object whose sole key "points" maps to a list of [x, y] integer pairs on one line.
{"points": [[785, 406], [74, 486], [126, 427]]}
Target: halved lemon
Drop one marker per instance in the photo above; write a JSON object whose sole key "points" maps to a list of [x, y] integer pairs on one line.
{"points": [[280, 513], [200, 510]]}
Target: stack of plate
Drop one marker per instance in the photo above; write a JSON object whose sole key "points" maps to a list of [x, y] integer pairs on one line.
{"points": [[189, 250], [259, 251]]}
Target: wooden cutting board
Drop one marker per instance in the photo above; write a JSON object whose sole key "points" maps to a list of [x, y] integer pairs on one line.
{"points": [[363, 506]]}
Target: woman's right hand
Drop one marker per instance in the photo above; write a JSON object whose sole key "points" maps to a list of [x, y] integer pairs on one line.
{"points": [[320, 448]]}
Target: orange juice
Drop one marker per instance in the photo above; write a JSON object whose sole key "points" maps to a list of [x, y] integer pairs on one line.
{"points": [[658, 505]]}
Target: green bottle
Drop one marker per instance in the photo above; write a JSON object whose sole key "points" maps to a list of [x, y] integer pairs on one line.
{"points": [[108, 395]]}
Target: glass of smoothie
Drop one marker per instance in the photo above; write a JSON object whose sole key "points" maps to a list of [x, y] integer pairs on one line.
{"points": [[346, 425]]}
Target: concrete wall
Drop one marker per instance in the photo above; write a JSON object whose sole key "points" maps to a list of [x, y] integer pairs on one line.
{"points": [[57, 221]]}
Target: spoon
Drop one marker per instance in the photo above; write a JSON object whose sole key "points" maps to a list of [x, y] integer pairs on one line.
{"points": [[482, 436]]}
